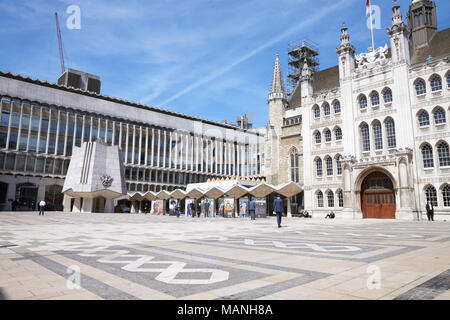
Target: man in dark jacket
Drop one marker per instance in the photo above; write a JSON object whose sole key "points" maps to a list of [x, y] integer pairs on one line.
{"points": [[430, 211], [252, 208], [278, 207]]}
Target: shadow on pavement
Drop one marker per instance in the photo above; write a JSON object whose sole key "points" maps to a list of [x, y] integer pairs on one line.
{"points": [[2, 295]]}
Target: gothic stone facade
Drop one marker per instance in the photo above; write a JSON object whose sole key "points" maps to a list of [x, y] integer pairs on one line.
{"points": [[373, 132]]}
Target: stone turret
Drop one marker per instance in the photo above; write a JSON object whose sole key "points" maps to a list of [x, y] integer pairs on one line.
{"points": [[346, 54], [277, 97], [277, 104], [398, 34]]}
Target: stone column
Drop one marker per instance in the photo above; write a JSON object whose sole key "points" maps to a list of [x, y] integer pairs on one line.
{"points": [[66, 203], [87, 205], [289, 213], [41, 194], [133, 149], [109, 206], [133, 207], [77, 205], [404, 196], [146, 146], [141, 132], [347, 188], [406, 205]]}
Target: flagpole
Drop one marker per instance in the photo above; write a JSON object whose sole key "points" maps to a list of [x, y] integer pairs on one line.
{"points": [[371, 25]]}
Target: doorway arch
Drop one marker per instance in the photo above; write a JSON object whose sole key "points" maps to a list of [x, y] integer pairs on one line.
{"points": [[378, 196]]}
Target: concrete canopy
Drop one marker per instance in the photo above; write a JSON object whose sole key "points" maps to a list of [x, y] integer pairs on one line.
{"points": [[262, 190], [163, 195], [107, 194], [236, 191], [214, 193], [95, 170], [150, 196], [289, 189], [137, 196], [178, 194], [195, 193]]}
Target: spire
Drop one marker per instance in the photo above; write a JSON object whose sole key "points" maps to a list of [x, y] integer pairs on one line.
{"points": [[345, 41], [397, 18], [345, 38], [398, 26], [277, 88]]}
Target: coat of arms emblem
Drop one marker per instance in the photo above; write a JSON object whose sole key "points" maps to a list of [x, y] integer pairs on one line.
{"points": [[106, 180]]}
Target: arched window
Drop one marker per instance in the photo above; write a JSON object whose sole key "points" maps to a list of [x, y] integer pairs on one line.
{"points": [[365, 137], [338, 134], [390, 132], [318, 137], [375, 99], [330, 197], [439, 116], [339, 165], [427, 156], [363, 102], [446, 195], [319, 167], [448, 80], [377, 135], [326, 109], [337, 107], [421, 87], [340, 198], [320, 199], [436, 83], [316, 112], [327, 135], [431, 195], [424, 119], [387, 95], [329, 163], [444, 154], [294, 166]]}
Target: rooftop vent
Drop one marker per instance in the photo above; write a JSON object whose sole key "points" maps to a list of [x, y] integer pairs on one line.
{"points": [[80, 80]]}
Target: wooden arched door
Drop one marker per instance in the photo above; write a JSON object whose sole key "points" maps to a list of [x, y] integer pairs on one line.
{"points": [[378, 197]]}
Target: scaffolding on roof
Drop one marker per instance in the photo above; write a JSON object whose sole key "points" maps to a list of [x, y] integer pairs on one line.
{"points": [[299, 53]]}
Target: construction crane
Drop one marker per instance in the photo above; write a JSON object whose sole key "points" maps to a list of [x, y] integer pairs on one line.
{"points": [[61, 54]]}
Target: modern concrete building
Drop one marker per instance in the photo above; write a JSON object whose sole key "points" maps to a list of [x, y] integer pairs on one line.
{"points": [[42, 123]]}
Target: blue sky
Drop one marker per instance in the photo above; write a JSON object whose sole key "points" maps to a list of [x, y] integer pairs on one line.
{"points": [[208, 58]]}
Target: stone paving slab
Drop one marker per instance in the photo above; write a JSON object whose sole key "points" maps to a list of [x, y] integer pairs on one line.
{"points": [[132, 256]]}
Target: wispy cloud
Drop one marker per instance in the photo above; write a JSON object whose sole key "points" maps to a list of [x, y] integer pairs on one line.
{"points": [[313, 18], [205, 57]]}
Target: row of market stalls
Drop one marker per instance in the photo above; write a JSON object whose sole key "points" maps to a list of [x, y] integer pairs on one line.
{"points": [[229, 198]]}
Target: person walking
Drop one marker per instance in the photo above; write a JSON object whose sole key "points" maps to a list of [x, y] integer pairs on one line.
{"points": [[199, 210], [430, 211], [278, 208], [206, 208], [252, 208], [190, 209], [42, 205], [177, 209]]}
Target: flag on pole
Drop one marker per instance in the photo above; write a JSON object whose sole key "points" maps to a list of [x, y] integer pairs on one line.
{"points": [[368, 5]]}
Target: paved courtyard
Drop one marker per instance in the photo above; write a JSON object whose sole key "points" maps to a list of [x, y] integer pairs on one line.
{"points": [[130, 256]]}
